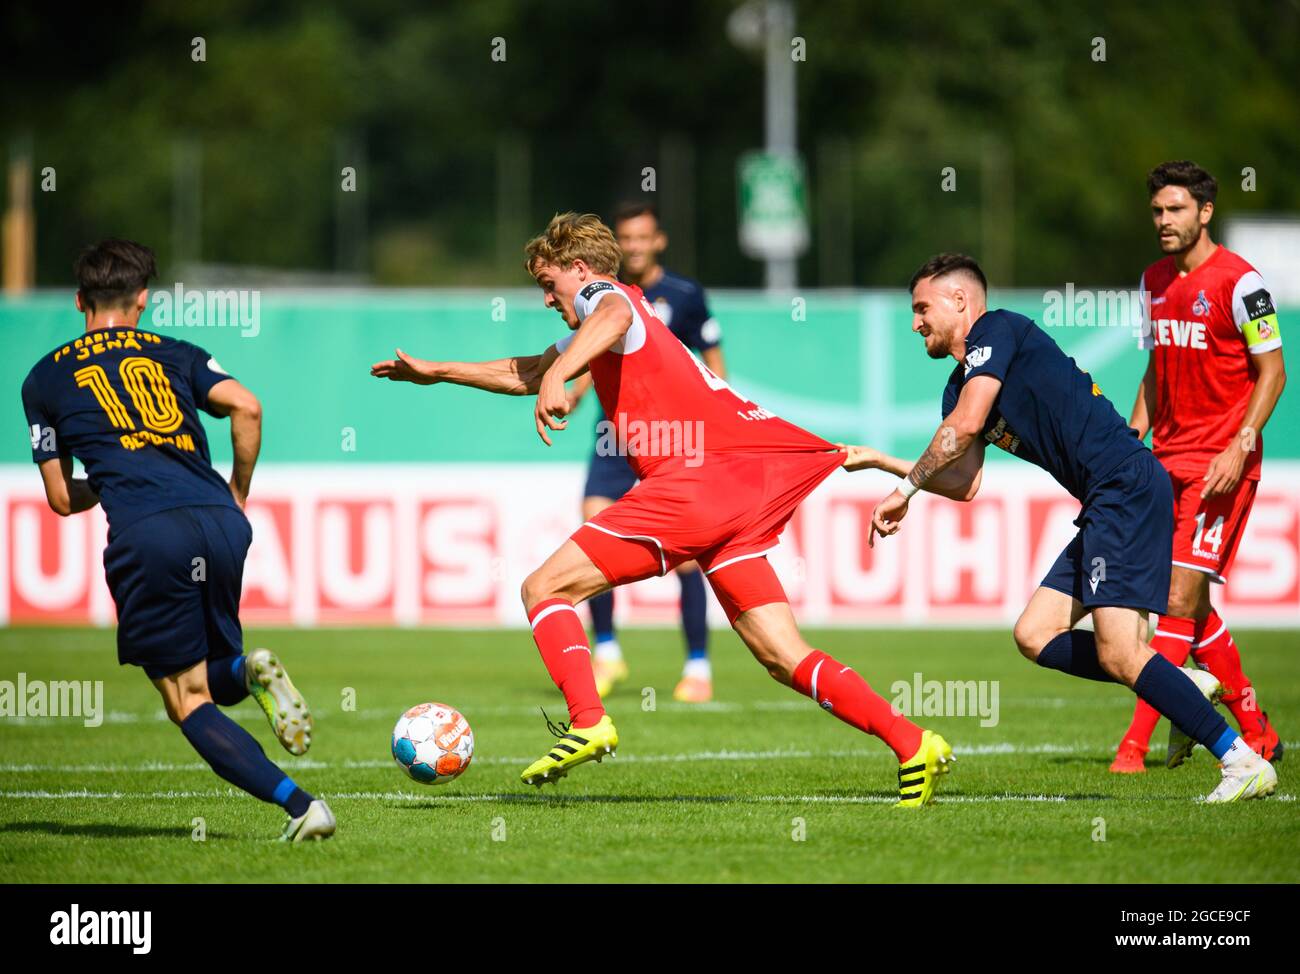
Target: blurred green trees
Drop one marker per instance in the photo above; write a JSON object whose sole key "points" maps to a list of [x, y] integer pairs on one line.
{"points": [[237, 159]]}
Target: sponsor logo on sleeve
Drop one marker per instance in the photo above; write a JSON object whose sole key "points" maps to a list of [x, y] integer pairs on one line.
{"points": [[594, 288], [215, 366], [977, 357], [1259, 304]]}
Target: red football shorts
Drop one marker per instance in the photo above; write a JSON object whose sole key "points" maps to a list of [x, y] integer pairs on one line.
{"points": [[728, 509], [746, 584], [1208, 532]]}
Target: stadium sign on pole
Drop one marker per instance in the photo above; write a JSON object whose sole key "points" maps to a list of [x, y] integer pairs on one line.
{"points": [[773, 206]]}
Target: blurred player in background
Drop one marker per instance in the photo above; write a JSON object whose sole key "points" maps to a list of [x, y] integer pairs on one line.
{"points": [[679, 303], [1214, 374], [719, 479], [1014, 387], [125, 403]]}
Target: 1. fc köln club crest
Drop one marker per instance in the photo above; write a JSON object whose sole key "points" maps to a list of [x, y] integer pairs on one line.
{"points": [[1201, 307]]}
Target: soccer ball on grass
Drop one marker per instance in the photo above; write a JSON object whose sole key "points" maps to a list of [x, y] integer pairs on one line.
{"points": [[433, 743]]}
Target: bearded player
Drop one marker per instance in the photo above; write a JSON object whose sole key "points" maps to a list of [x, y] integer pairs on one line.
{"points": [[1214, 375], [723, 507], [1014, 387], [680, 304]]}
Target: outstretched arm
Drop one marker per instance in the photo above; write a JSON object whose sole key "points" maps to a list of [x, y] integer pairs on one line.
{"points": [[520, 375], [959, 482], [65, 493], [959, 432]]}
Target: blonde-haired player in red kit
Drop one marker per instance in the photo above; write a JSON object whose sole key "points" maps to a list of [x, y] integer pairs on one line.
{"points": [[1214, 375], [719, 478]]}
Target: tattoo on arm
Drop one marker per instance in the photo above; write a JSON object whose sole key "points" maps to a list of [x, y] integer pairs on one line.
{"points": [[942, 452]]}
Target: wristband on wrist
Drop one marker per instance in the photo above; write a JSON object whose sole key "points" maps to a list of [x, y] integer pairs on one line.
{"points": [[908, 488]]}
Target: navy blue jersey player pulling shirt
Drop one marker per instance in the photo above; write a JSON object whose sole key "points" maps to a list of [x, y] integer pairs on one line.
{"points": [[1050, 412], [1014, 387]]}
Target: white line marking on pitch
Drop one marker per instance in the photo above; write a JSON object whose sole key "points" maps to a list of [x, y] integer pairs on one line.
{"points": [[309, 764], [252, 716], [531, 798]]}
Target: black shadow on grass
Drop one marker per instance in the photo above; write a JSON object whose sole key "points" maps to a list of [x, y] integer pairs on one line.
{"points": [[108, 830]]}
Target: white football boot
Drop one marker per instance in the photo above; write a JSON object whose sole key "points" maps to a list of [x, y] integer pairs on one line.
{"points": [[285, 709], [1180, 746], [1251, 777], [314, 824]]}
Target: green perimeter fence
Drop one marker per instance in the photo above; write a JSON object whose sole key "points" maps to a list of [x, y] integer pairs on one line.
{"points": [[843, 364]]}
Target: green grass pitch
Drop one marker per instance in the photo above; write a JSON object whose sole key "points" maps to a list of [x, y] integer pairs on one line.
{"points": [[761, 786]]}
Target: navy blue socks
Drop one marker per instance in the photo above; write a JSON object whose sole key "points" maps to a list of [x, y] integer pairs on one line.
{"points": [[226, 680], [1166, 688], [695, 615], [1075, 652], [1161, 684], [235, 755], [602, 616]]}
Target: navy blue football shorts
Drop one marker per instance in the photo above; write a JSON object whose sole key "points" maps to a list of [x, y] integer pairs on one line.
{"points": [[1120, 557], [609, 475], [175, 577]]}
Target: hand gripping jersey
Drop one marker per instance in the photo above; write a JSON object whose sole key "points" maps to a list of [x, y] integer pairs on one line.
{"points": [[125, 403], [1203, 328], [664, 406]]}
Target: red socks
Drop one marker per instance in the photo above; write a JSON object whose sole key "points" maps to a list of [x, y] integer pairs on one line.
{"points": [[1215, 650], [562, 640], [835, 687], [1173, 640]]}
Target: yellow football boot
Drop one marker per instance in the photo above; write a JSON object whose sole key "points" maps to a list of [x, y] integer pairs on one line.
{"points": [[573, 746], [918, 776], [608, 674]]}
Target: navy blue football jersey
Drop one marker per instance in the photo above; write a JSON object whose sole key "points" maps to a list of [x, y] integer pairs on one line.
{"points": [[679, 302], [1048, 411], [124, 402]]}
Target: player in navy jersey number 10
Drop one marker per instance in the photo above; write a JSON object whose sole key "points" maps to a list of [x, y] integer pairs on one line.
{"points": [[124, 402], [680, 304], [1014, 387]]}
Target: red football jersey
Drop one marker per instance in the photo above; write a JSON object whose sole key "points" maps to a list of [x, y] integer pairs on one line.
{"points": [[1203, 328], [664, 408]]}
